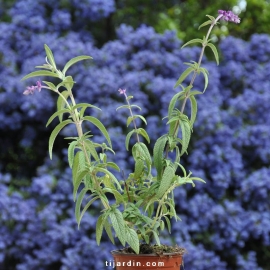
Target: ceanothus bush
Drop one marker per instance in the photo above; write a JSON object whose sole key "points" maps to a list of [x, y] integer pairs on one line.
{"points": [[225, 222]]}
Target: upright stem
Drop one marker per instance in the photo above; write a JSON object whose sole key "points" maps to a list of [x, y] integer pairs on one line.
{"points": [[133, 120], [194, 75]]}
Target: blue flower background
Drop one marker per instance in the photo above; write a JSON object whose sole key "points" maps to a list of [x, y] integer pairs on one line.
{"points": [[225, 223]]}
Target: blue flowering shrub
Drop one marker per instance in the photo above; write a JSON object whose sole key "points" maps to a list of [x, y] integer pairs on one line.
{"points": [[225, 223]]}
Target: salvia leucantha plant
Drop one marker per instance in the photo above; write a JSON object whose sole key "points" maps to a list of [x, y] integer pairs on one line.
{"points": [[144, 200]]}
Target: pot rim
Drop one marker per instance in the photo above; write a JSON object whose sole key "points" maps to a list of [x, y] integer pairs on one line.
{"points": [[117, 252]]}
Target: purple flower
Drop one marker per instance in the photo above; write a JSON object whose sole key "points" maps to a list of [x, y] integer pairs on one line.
{"points": [[122, 91], [229, 16], [31, 89]]}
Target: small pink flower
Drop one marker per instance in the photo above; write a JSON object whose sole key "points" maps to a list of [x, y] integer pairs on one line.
{"points": [[229, 16], [31, 89], [39, 86], [122, 91]]}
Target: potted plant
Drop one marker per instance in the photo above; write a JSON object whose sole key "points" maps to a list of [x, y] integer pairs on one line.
{"points": [[143, 203]]}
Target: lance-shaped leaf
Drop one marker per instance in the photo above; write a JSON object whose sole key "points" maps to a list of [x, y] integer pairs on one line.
{"points": [[71, 149], [40, 73], [91, 148], [131, 118], [168, 224], [195, 40], [62, 103], [112, 177], [75, 60], [142, 132], [51, 85], [128, 138], [193, 109], [83, 107], [99, 228], [55, 133], [156, 237], [205, 74], [86, 207], [128, 107], [214, 50], [205, 23], [158, 154], [183, 76], [108, 229], [118, 224], [57, 113], [49, 55], [186, 133], [139, 167], [133, 239], [77, 181], [100, 126], [174, 100], [79, 203], [166, 181]]}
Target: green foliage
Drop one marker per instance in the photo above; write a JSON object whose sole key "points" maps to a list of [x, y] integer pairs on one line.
{"points": [[146, 200]]}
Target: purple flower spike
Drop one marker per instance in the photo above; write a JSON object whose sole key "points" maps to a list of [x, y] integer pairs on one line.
{"points": [[229, 16], [31, 89]]}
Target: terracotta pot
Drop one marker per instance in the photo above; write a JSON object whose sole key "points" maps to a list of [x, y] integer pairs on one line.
{"points": [[168, 261]]}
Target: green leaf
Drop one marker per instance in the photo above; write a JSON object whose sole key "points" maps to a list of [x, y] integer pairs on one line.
{"points": [[158, 154], [49, 55], [205, 23], [112, 177], [193, 109], [83, 107], [168, 223], [78, 204], [86, 207], [40, 73], [128, 138], [77, 181], [186, 133], [113, 165], [61, 103], [196, 40], [68, 83], [142, 132], [57, 113], [54, 134], [51, 85], [131, 118], [118, 224], [128, 106], [156, 237], [166, 181], [211, 17], [92, 150], [204, 72], [214, 50], [71, 149], [139, 167], [100, 126], [183, 76], [194, 92], [108, 230], [75, 60], [99, 228], [173, 102], [133, 239]]}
